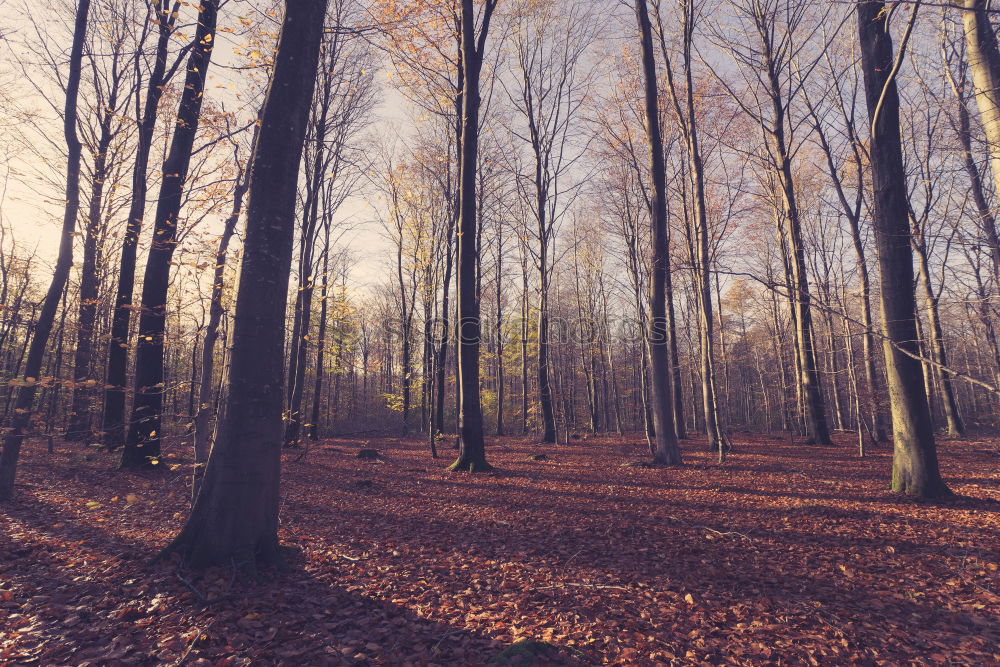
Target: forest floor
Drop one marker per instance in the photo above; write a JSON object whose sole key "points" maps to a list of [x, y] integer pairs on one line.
{"points": [[785, 554]]}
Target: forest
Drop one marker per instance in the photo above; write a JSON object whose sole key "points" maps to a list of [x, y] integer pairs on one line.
{"points": [[507, 332]]}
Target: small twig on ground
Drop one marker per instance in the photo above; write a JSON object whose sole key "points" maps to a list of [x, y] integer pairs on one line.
{"points": [[197, 635], [725, 534], [711, 530], [618, 588]]}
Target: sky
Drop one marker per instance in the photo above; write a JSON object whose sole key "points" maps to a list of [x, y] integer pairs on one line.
{"points": [[32, 206]]}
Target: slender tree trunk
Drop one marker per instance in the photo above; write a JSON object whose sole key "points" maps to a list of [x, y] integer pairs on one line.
{"points": [[544, 387], [324, 309], [472, 453], [81, 415], [524, 349], [915, 465], [667, 450], [937, 348], [609, 351], [987, 221], [499, 333], [21, 421], [442, 352], [118, 345], [142, 444]]}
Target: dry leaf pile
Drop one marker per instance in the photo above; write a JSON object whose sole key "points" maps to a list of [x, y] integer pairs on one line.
{"points": [[786, 554]]}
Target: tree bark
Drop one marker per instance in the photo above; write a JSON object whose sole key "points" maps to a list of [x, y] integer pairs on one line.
{"points": [[235, 516], [915, 465], [666, 450], [472, 451]]}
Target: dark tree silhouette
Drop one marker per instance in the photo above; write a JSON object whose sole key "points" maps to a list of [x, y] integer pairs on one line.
{"points": [[235, 516], [472, 454], [666, 449], [142, 444], [64, 262], [114, 396]]}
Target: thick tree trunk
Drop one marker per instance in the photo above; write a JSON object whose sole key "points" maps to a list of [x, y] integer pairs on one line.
{"points": [[21, 420], [142, 444], [915, 465], [666, 450], [235, 516]]}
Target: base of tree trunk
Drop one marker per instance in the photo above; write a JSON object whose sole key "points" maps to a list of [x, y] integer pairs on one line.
{"points": [[463, 464], [929, 490], [198, 554]]}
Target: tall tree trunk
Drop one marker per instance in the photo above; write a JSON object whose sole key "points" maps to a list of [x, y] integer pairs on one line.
{"points": [[667, 450], [685, 113], [472, 452], [81, 415], [815, 410], [935, 341], [21, 420], [987, 221], [442, 351], [142, 444], [852, 211], [915, 465], [324, 309], [117, 377], [235, 516], [499, 331], [781, 159], [524, 346], [544, 386]]}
